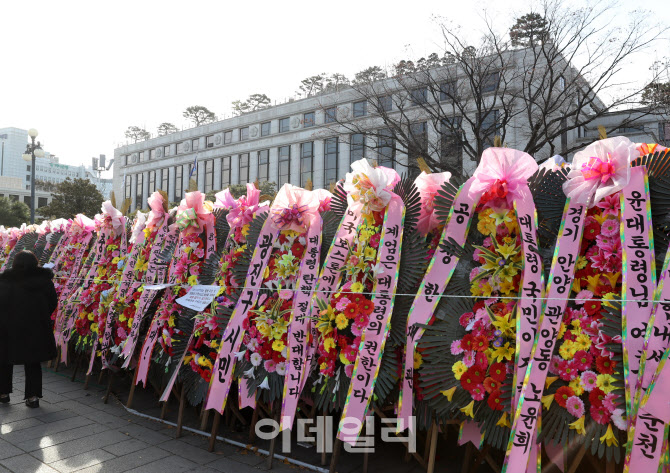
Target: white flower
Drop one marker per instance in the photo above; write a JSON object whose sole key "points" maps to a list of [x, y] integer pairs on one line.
{"points": [[281, 368], [377, 270], [256, 359], [265, 384], [249, 373], [370, 186], [302, 240], [239, 354], [619, 421], [252, 345]]}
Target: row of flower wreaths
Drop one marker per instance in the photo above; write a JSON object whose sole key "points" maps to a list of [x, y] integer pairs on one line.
{"points": [[551, 306]]}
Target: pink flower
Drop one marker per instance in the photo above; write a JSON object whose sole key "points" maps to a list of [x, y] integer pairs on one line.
{"points": [[554, 366], [600, 414], [583, 296], [465, 319], [475, 271], [469, 358], [342, 304], [575, 406], [270, 366], [357, 329], [349, 370], [286, 294], [567, 370], [478, 392], [456, 347], [589, 379], [609, 402], [582, 360], [599, 261], [610, 227], [611, 205]]}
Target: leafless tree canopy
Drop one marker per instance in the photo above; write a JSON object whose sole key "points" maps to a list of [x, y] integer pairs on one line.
{"points": [[558, 69]]}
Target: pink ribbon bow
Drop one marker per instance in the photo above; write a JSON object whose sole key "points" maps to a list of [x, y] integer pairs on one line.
{"points": [[372, 187], [82, 224], [112, 218], [157, 213], [294, 208], [240, 211], [501, 174], [192, 207], [428, 185]]}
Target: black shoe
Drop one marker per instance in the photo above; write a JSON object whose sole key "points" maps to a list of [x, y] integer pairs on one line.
{"points": [[33, 404], [4, 399]]}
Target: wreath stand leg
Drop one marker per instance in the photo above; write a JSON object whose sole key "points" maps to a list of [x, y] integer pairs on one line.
{"points": [[465, 467], [273, 445], [215, 430], [421, 460], [432, 440], [182, 405], [131, 395], [164, 408], [109, 387], [252, 427], [576, 461], [88, 379], [324, 462], [204, 417], [336, 455], [235, 411], [57, 361], [76, 368], [480, 457]]}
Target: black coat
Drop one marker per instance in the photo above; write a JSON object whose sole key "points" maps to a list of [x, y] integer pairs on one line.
{"points": [[27, 300]]}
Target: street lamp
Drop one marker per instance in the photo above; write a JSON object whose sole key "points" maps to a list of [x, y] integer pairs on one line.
{"points": [[32, 150]]}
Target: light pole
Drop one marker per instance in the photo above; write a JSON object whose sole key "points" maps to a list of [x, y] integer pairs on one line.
{"points": [[32, 150]]}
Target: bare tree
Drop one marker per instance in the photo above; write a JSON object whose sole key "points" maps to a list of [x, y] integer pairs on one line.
{"points": [[199, 115], [472, 96], [136, 134], [166, 128]]}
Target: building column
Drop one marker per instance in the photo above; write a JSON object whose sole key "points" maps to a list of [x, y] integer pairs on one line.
{"points": [[318, 165], [216, 182], [235, 169], [273, 170], [343, 158], [133, 191], [295, 164], [253, 166], [145, 190], [201, 175], [184, 180], [171, 182]]}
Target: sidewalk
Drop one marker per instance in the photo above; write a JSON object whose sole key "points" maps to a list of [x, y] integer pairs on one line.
{"points": [[73, 430]]}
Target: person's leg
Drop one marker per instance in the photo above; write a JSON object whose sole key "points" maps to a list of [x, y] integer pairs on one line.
{"points": [[33, 381], [6, 371]]}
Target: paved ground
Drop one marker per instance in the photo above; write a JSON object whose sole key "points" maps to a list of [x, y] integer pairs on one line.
{"points": [[74, 431]]}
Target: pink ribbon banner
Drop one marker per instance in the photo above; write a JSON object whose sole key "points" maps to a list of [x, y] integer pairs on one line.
{"points": [[373, 339], [434, 283], [299, 327], [222, 372], [558, 290]]}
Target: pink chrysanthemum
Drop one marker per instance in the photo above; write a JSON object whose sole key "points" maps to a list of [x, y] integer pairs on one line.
{"points": [[583, 296], [567, 370], [270, 366], [349, 370], [342, 304], [575, 406], [610, 227], [589, 379], [478, 392], [469, 358], [456, 347], [609, 402]]}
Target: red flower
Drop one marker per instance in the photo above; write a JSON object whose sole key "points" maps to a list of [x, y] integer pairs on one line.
{"points": [[494, 401], [498, 372], [605, 365], [366, 307], [351, 311], [467, 342], [583, 360], [596, 397], [491, 385], [356, 298], [591, 307], [563, 394], [600, 414], [480, 343], [471, 378], [481, 361], [591, 228]]}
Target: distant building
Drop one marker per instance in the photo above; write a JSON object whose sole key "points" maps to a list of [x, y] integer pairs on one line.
{"points": [[14, 189]]}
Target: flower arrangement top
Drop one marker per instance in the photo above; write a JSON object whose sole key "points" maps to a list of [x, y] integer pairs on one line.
{"points": [[600, 170], [501, 176], [159, 211], [241, 211], [112, 219], [193, 215], [82, 224], [428, 186], [371, 187]]}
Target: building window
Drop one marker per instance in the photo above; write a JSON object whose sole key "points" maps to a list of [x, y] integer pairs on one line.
{"points": [[489, 127], [244, 168], [138, 190], [28, 167], [308, 119], [330, 155], [386, 103], [165, 178], [265, 129], [225, 172], [152, 182], [386, 148], [357, 147], [209, 175], [448, 90], [195, 144], [125, 160], [284, 166], [418, 96], [166, 150], [451, 145], [152, 154], [284, 125], [210, 141], [490, 82], [244, 133], [141, 156], [227, 137], [28, 178], [180, 147], [663, 133], [331, 114], [264, 165], [42, 201], [26, 200], [360, 108], [126, 193], [418, 146], [306, 163], [178, 182]]}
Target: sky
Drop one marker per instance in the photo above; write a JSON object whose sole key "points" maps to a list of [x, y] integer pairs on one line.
{"points": [[81, 72]]}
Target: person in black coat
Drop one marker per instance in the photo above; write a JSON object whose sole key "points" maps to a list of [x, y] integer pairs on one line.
{"points": [[27, 300]]}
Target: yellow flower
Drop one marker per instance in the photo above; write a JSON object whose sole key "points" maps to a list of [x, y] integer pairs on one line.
{"points": [[329, 343], [504, 421], [91, 317], [459, 369], [449, 393], [567, 350], [487, 290], [500, 216], [593, 282], [547, 400], [609, 437], [278, 345], [130, 322], [610, 296], [561, 330], [549, 381], [343, 359], [581, 262], [604, 382], [94, 328], [245, 230], [171, 321], [418, 360], [576, 385], [486, 226], [116, 260], [263, 328], [507, 287], [467, 410], [504, 324], [122, 318], [600, 218], [578, 425], [505, 352], [357, 287], [266, 273], [370, 253], [192, 280], [613, 278], [341, 321]]}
